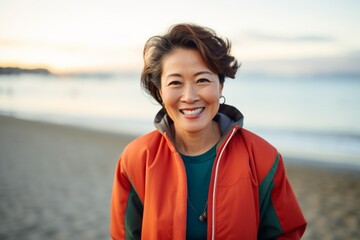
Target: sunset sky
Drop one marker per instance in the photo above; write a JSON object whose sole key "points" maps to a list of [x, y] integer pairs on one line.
{"points": [[289, 37]]}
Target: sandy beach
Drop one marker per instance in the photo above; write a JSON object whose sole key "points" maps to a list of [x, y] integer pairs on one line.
{"points": [[55, 183]]}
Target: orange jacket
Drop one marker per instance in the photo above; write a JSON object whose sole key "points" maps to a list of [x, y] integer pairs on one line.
{"points": [[249, 194]]}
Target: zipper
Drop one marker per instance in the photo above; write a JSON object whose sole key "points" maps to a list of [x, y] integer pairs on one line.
{"points": [[215, 183]]}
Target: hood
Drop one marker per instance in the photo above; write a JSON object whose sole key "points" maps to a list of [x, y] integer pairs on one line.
{"points": [[227, 117]]}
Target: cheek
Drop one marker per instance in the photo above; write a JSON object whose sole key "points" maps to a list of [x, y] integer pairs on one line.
{"points": [[214, 95], [168, 98]]}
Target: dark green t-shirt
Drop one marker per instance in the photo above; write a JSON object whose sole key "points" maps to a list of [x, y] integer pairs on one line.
{"points": [[198, 172]]}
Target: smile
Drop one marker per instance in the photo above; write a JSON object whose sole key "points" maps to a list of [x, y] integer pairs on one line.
{"points": [[192, 112]]}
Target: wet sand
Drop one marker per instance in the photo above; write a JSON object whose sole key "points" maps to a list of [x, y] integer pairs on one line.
{"points": [[55, 183]]}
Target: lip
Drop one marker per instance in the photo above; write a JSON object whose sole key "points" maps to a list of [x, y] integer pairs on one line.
{"points": [[192, 112]]}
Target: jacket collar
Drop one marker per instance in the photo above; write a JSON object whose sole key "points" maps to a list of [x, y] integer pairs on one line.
{"points": [[227, 117]]}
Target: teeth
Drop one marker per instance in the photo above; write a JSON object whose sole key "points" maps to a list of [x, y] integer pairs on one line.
{"points": [[192, 112]]}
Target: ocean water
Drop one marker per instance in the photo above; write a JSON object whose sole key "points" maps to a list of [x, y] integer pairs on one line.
{"points": [[313, 119]]}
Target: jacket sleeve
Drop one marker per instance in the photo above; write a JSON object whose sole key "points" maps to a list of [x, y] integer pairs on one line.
{"points": [[280, 213], [126, 208]]}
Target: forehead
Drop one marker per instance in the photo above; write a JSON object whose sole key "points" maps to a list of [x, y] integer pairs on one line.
{"points": [[183, 60]]}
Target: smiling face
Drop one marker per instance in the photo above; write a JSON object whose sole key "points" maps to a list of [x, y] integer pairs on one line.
{"points": [[190, 91]]}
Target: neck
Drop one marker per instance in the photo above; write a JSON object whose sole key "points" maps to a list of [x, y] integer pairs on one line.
{"points": [[196, 143]]}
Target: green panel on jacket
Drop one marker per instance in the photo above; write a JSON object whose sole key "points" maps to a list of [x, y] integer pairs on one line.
{"points": [[133, 216], [269, 222]]}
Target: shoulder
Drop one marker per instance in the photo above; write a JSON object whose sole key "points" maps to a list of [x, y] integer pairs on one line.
{"points": [[263, 156], [135, 158], [142, 144], [257, 143], [137, 155], [144, 150], [144, 140]]}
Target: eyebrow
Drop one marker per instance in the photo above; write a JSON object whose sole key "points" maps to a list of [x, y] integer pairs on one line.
{"points": [[195, 75], [203, 72]]}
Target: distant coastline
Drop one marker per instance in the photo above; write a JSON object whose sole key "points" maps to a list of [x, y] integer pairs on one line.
{"points": [[130, 73], [17, 71]]}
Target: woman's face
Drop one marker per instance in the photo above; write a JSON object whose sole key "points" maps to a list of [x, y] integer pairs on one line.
{"points": [[190, 91]]}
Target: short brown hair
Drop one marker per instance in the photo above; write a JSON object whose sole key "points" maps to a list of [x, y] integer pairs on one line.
{"points": [[214, 50]]}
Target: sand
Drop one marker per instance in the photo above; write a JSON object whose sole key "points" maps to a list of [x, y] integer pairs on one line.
{"points": [[55, 183]]}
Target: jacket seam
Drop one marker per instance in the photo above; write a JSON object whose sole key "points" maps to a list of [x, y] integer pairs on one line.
{"points": [[215, 183]]}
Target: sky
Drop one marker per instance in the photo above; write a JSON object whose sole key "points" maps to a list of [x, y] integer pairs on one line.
{"points": [[268, 37]]}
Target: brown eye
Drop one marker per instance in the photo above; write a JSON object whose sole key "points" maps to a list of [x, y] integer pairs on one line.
{"points": [[174, 83], [203, 80]]}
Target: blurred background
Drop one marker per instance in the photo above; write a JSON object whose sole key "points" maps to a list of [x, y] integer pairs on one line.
{"points": [[78, 63]]}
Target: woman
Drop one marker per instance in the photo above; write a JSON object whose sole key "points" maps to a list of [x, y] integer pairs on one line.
{"points": [[200, 175]]}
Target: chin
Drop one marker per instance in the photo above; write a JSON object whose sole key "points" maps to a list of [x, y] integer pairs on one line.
{"points": [[193, 128]]}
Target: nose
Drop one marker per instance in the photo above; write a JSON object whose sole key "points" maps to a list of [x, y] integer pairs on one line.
{"points": [[190, 94]]}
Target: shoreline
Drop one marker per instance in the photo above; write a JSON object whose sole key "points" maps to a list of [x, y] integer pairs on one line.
{"points": [[56, 183], [322, 165], [306, 159]]}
